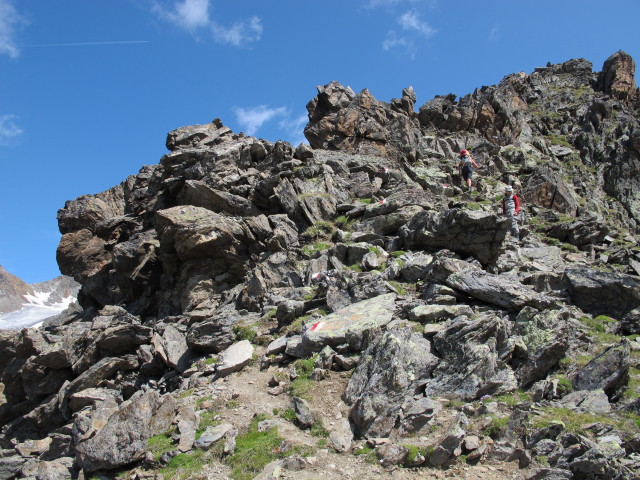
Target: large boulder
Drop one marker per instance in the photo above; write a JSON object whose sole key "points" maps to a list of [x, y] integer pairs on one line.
{"points": [[603, 293], [617, 77], [347, 326], [123, 440], [390, 373], [504, 291], [467, 232], [608, 371], [470, 365]]}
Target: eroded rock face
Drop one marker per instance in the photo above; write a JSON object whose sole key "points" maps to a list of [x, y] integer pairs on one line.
{"points": [[389, 374], [464, 231], [618, 76], [339, 119], [123, 440]]}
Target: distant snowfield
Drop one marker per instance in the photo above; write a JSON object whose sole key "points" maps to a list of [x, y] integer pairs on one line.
{"points": [[33, 313]]}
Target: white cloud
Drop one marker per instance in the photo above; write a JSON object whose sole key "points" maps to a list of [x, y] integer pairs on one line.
{"points": [[9, 130], [251, 119], [187, 14], [411, 22], [401, 43], [9, 21], [240, 33], [411, 27], [195, 15], [294, 128]]}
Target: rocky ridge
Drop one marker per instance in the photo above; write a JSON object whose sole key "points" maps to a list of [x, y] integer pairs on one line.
{"points": [[348, 301]]}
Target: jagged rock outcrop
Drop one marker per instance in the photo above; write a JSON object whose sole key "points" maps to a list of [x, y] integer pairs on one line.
{"points": [[359, 252]]}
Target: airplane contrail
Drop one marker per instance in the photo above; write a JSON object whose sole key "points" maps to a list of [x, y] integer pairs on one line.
{"points": [[127, 42]]}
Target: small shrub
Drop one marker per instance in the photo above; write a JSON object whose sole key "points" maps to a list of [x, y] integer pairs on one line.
{"points": [[243, 332], [159, 444], [314, 248], [318, 430], [496, 427], [398, 286], [343, 222]]}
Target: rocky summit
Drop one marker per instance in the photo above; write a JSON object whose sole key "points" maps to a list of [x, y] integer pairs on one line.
{"points": [[349, 309]]}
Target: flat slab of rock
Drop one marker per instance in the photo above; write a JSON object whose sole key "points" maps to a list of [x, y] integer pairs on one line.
{"points": [[213, 434], [235, 358], [348, 325]]}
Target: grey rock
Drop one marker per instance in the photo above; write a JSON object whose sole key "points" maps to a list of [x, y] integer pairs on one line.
{"points": [[469, 365], [391, 454], [10, 464], [551, 474], [388, 375], [213, 434], [235, 358], [438, 313], [608, 371], [603, 293], [341, 436], [212, 335], [59, 469], [595, 401], [187, 426], [304, 415], [349, 325], [137, 420], [445, 452], [467, 232]]}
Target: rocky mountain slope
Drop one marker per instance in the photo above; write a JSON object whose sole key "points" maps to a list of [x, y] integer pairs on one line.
{"points": [[346, 309]]}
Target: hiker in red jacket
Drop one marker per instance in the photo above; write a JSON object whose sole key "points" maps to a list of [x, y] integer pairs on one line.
{"points": [[511, 208], [465, 167]]}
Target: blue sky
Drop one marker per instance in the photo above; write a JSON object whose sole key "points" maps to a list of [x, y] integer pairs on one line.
{"points": [[90, 88]]}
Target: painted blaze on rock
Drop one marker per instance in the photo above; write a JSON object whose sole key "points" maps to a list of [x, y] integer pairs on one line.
{"points": [[349, 324]]}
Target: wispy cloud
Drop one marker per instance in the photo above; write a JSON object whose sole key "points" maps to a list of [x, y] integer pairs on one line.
{"points": [[294, 128], [290, 127], [411, 22], [251, 119], [10, 21], [9, 129], [396, 42], [494, 34], [196, 16], [412, 27], [240, 33]]}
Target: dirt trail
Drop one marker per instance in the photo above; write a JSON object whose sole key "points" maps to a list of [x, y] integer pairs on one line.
{"points": [[243, 395]]}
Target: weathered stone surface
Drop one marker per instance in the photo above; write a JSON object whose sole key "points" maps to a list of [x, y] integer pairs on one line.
{"points": [[123, 440], [617, 76], [467, 232], [341, 436], [545, 188], [385, 381], [505, 290], [234, 358], [438, 313], [304, 415], [603, 293], [349, 325], [469, 366], [213, 434], [391, 454], [608, 371]]}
